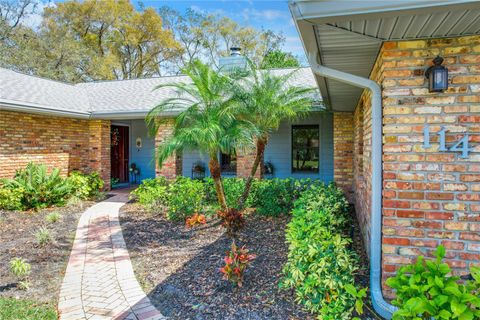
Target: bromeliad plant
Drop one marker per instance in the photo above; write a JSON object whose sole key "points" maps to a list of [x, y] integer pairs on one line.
{"points": [[237, 261], [426, 290]]}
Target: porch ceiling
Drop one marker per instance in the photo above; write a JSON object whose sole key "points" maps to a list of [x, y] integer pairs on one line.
{"points": [[347, 35]]}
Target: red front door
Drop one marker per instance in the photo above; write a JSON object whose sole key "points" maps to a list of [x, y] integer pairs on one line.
{"points": [[119, 153]]}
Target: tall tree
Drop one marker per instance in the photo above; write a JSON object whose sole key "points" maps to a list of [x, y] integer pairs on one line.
{"points": [[279, 59], [209, 37], [210, 122], [11, 14], [122, 43], [267, 100]]}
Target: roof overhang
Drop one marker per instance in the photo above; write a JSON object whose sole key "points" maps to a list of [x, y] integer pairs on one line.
{"points": [[17, 106], [347, 35]]}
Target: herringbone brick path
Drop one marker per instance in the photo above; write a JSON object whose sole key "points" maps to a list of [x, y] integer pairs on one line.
{"points": [[99, 281]]}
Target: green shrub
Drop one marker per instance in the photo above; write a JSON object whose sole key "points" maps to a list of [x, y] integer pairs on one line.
{"points": [[233, 188], [38, 188], [426, 290], [21, 270], [185, 197], [85, 186], [152, 194], [180, 198], [320, 263], [272, 197], [52, 217], [11, 198], [43, 236]]}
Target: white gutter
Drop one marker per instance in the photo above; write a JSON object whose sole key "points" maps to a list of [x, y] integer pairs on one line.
{"points": [[123, 115], [381, 306], [12, 105]]}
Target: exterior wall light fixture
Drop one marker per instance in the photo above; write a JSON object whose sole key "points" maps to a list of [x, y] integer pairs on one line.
{"points": [[437, 76]]}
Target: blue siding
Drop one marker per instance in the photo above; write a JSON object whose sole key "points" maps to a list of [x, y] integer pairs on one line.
{"points": [[279, 149], [143, 157], [190, 157]]}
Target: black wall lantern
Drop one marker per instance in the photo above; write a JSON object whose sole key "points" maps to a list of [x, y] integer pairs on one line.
{"points": [[437, 76]]}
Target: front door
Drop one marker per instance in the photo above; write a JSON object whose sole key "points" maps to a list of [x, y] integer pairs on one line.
{"points": [[119, 153]]}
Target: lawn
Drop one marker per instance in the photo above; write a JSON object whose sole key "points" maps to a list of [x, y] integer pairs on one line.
{"points": [[13, 309]]}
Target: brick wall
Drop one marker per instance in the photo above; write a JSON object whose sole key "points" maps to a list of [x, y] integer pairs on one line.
{"points": [[245, 159], [57, 142], [429, 197], [172, 167], [343, 145]]}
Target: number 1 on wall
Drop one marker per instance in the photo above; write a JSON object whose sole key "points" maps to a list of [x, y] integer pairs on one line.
{"points": [[461, 145]]}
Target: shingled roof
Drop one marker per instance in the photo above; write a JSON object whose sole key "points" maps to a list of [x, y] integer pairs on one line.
{"points": [[102, 99]]}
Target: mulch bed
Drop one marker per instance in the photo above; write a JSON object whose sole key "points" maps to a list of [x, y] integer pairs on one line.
{"points": [[179, 268], [17, 238]]}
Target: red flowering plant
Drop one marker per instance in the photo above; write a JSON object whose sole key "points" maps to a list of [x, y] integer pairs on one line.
{"points": [[232, 220], [195, 220], [236, 262]]}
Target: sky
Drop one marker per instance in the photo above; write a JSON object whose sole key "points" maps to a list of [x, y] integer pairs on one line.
{"points": [[259, 14]]}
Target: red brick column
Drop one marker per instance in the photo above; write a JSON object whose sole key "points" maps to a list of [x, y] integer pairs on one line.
{"points": [[343, 137], [172, 167], [99, 150], [245, 159]]}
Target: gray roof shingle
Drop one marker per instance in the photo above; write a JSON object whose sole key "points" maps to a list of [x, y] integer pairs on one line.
{"points": [[103, 97]]}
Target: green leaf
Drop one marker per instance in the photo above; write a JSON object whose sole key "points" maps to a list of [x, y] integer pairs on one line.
{"points": [[457, 308], [350, 289], [440, 253], [444, 314], [467, 315]]}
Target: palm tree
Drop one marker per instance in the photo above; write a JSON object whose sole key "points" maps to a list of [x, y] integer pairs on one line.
{"points": [[209, 121], [268, 100]]}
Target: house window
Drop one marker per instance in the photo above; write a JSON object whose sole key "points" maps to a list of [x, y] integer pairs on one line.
{"points": [[305, 148], [228, 164]]}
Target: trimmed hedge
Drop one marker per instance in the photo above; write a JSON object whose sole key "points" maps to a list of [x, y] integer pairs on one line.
{"points": [[184, 196], [320, 262]]}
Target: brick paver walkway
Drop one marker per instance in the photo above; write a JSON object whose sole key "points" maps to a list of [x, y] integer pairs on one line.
{"points": [[99, 282]]}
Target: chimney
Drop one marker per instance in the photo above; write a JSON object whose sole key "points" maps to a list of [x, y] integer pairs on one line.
{"points": [[236, 61], [235, 51]]}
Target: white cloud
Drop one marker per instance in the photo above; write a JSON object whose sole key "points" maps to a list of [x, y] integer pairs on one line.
{"points": [[262, 15], [219, 12]]}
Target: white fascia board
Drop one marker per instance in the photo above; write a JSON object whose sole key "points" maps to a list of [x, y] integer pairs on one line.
{"points": [[16, 106], [127, 115], [328, 11]]}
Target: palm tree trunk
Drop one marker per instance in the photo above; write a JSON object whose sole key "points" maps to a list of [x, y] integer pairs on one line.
{"points": [[214, 167], [261, 143]]}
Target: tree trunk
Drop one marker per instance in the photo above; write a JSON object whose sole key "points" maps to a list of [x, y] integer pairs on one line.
{"points": [[261, 143], [214, 167]]}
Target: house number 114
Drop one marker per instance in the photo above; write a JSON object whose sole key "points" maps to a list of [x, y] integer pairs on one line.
{"points": [[461, 145]]}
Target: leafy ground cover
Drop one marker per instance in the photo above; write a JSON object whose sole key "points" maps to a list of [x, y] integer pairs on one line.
{"points": [[22, 235], [14, 309], [178, 267]]}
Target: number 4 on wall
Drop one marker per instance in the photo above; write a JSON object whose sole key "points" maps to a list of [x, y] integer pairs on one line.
{"points": [[461, 145]]}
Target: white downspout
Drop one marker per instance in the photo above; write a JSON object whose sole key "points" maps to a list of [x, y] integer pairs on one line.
{"points": [[381, 306]]}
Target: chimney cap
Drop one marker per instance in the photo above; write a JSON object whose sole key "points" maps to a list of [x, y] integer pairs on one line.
{"points": [[235, 51]]}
